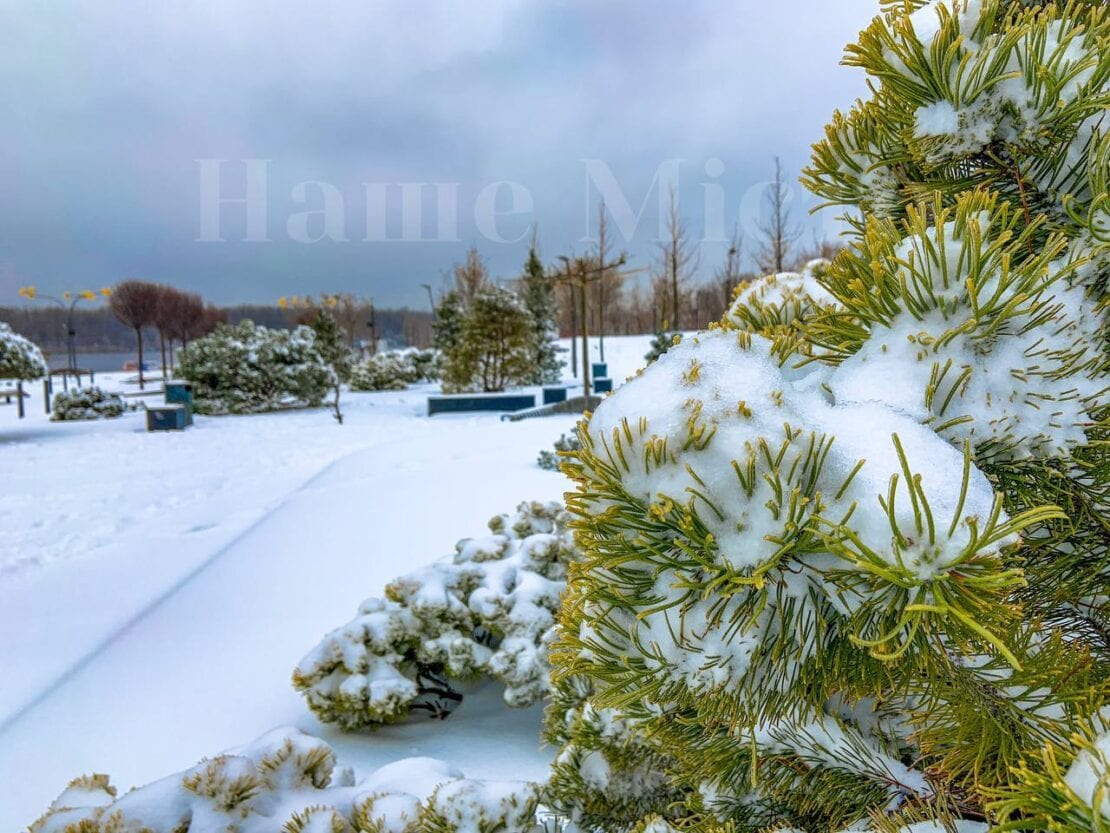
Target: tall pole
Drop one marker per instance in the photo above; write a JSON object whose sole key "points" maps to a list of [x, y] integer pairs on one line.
{"points": [[601, 254], [584, 288], [373, 324]]}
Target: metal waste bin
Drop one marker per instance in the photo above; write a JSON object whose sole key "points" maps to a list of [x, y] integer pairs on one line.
{"points": [[181, 393]]}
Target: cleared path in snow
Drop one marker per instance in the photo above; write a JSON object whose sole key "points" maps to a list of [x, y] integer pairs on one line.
{"points": [[207, 665]]}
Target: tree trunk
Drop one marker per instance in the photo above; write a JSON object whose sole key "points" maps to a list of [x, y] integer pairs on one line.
{"points": [[162, 345], [139, 341]]}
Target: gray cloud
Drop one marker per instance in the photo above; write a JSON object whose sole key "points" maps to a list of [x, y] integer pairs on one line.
{"points": [[109, 105]]}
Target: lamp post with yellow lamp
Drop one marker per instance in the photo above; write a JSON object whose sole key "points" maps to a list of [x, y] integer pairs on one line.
{"points": [[68, 302]]}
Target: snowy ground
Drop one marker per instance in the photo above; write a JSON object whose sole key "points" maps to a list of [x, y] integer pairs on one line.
{"points": [[157, 589]]}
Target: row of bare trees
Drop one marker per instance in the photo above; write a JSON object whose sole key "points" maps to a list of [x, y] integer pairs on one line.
{"points": [[178, 317], [672, 299]]}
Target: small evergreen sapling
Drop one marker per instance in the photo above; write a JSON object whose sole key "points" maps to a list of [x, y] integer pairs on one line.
{"points": [[551, 460], [331, 342], [538, 294]]}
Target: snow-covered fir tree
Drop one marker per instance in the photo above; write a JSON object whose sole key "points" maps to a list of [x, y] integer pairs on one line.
{"points": [[845, 557], [537, 290], [488, 611], [20, 358]]}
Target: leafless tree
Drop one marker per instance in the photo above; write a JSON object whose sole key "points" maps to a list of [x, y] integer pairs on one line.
{"points": [[166, 311], [677, 260], [188, 311], [728, 275], [777, 231], [134, 304], [471, 276]]}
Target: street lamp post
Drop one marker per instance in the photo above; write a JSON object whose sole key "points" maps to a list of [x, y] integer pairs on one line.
{"points": [[68, 302]]}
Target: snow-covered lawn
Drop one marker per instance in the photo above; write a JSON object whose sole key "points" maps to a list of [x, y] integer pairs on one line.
{"points": [[156, 590]]}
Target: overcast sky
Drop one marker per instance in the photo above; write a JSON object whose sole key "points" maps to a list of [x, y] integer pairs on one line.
{"points": [[108, 106]]}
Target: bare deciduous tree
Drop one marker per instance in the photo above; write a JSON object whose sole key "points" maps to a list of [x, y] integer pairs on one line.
{"points": [[134, 304], [777, 232], [728, 275], [677, 260], [471, 276]]}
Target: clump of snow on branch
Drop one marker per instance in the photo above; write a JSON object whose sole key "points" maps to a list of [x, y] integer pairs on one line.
{"points": [[289, 781], [779, 300]]}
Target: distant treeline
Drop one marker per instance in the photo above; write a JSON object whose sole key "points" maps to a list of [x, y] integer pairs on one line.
{"points": [[99, 331]]}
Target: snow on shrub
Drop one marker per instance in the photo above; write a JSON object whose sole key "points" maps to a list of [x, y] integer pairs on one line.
{"points": [[489, 610], [246, 368], [288, 781], [777, 301], [20, 358], [381, 371], [606, 775], [85, 404], [394, 370]]}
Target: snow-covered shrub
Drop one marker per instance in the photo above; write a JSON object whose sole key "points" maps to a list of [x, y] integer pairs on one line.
{"points": [[288, 781], [20, 358], [86, 403], [394, 370], [381, 371], [487, 611], [845, 558], [246, 368], [551, 460]]}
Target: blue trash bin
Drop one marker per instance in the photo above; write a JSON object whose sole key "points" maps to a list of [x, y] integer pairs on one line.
{"points": [[181, 393], [600, 370], [603, 385]]}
